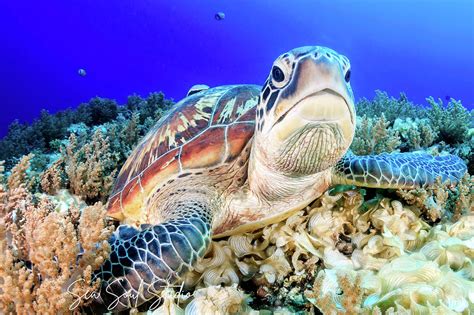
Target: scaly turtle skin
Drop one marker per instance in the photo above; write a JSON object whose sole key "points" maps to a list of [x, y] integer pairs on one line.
{"points": [[235, 158]]}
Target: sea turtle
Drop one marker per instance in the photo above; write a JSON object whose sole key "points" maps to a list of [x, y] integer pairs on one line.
{"points": [[235, 158]]}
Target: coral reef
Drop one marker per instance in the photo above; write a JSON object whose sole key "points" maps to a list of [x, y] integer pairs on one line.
{"points": [[48, 255], [389, 124], [43, 134], [342, 260], [351, 251], [391, 107]]}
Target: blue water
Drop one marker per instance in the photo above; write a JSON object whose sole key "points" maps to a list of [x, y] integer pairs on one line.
{"points": [[420, 47]]}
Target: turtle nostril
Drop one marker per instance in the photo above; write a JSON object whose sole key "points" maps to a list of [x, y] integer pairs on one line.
{"points": [[328, 55], [316, 55]]}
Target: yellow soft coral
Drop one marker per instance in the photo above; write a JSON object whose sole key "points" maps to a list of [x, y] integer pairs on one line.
{"points": [[88, 167], [42, 268]]}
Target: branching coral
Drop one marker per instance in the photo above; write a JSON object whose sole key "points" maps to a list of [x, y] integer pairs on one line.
{"points": [[452, 121], [43, 269], [391, 107], [88, 162], [43, 136], [53, 178], [435, 201], [90, 159], [44, 250], [19, 172], [374, 136], [449, 127], [415, 133], [90, 167]]}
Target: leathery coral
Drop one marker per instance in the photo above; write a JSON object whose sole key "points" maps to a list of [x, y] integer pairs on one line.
{"points": [[344, 254], [47, 255]]}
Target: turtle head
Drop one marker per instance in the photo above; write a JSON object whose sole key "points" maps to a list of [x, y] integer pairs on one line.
{"points": [[306, 115]]}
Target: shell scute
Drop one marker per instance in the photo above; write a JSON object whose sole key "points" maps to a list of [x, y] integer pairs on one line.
{"points": [[131, 196], [115, 207], [235, 104], [238, 135], [248, 115], [161, 169], [206, 150]]}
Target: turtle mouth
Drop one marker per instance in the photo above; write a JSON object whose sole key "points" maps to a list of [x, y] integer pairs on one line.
{"points": [[324, 106]]}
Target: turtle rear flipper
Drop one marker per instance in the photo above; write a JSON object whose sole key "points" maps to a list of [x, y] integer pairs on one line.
{"points": [[144, 262], [397, 170]]}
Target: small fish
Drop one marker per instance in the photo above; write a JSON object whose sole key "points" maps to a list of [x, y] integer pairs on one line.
{"points": [[219, 16], [447, 97], [340, 188], [82, 72]]}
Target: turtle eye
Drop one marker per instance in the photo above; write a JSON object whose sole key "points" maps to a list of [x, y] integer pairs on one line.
{"points": [[278, 74], [347, 77]]}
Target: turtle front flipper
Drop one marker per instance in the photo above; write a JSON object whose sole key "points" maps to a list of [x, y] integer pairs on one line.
{"points": [[144, 262], [397, 170]]}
